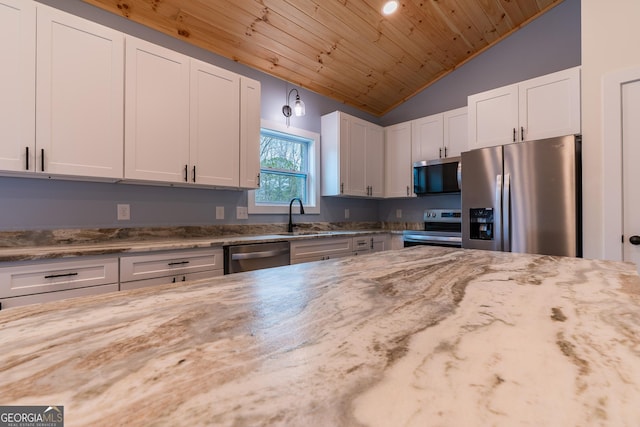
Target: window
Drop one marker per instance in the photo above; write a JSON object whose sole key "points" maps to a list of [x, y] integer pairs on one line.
{"points": [[289, 164]]}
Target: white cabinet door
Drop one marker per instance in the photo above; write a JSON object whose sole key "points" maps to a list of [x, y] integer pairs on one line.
{"points": [[356, 151], [80, 105], [352, 156], [374, 165], [17, 84], [398, 166], [381, 242], [456, 135], [427, 137], [493, 117], [250, 99], [550, 105], [156, 113], [215, 126]]}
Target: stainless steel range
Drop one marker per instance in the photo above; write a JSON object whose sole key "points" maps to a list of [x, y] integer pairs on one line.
{"points": [[442, 227]]}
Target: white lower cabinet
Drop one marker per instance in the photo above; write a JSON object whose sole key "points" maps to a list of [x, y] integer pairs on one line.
{"points": [[30, 282], [159, 268], [337, 247], [320, 249]]}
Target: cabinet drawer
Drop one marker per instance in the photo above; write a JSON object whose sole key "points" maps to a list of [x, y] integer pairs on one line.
{"points": [[54, 296], [302, 260], [362, 243], [320, 247], [163, 264], [18, 279], [136, 284]]}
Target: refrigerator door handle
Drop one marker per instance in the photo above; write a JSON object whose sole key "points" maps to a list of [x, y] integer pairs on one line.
{"points": [[506, 213], [497, 214]]}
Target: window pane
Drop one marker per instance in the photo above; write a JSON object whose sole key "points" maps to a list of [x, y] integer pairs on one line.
{"points": [[280, 188], [282, 151]]}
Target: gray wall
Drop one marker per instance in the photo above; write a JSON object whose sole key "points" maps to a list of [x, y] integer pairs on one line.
{"points": [[548, 44]]}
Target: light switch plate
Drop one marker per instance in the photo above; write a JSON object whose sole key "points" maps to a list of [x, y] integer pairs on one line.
{"points": [[242, 212], [346, 214], [124, 212], [219, 212], [398, 213]]}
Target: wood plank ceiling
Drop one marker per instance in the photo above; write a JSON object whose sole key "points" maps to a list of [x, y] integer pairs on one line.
{"points": [[343, 49]]}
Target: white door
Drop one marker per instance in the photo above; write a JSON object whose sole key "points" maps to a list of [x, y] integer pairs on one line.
{"points": [[156, 113], [17, 84], [215, 126], [630, 172], [80, 99]]}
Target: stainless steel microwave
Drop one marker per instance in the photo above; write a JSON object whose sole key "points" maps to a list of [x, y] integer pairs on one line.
{"points": [[437, 176]]}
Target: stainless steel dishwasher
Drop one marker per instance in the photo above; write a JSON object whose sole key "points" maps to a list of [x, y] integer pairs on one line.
{"points": [[238, 258]]}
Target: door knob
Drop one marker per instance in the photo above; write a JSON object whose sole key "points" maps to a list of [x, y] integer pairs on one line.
{"points": [[634, 240]]}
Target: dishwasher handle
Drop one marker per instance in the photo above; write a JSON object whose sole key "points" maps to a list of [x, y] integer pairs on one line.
{"points": [[261, 254]]}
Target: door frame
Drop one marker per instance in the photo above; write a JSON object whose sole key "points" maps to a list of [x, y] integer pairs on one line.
{"points": [[612, 198]]}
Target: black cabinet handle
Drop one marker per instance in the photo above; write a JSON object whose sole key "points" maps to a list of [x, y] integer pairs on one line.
{"points": [[194, 173], [178, 263], [184, 278], [42, 160], [440, 152], [186, 173], [514, 134], [521, 133], [52, 276], [27, 163], [445, 152], [634, 240]]}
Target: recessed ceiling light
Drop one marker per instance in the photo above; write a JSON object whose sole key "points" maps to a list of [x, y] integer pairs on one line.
{"points": [[390, 7]]}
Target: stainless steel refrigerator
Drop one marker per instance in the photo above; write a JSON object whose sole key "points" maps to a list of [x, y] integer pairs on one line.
{"points": [[524, 197]]}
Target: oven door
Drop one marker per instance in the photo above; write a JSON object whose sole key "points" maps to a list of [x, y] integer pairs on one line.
{"points": [[431, 239]]}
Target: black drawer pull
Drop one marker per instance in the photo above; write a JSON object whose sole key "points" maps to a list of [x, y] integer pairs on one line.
{"points": [[179, 263], [53, 276]]}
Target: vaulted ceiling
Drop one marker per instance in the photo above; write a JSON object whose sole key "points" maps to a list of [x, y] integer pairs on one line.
{"points": [[344, 49]]}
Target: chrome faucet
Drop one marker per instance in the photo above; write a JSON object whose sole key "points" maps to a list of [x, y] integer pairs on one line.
{"points": [[291, 225]]}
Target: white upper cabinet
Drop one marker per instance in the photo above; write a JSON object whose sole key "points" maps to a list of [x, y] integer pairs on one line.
{"points": [[352, 156], [17, 83], [550, 105], [543, 107], [398, 163], [79, 84], [79, 108], [215, 126], [156, 113], [249, 133], [189, 122], [456, 135], [427, 137]]}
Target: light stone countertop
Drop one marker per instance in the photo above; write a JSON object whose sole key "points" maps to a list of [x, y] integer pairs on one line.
{"points": [[421, 336], [107, 244]]}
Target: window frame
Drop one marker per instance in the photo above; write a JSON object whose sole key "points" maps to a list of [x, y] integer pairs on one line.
{"points": [[312, 206]]}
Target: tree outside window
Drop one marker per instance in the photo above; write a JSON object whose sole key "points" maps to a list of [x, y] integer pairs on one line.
{"points": [[284, 167]]}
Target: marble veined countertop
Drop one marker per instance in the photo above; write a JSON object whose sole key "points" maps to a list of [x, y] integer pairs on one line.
{"points": [[420, 336], [39, 245]]}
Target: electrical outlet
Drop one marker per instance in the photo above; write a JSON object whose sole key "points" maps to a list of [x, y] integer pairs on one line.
{"points": [[346, 214], [398, 213], [219, 212], [242, 212], [124, 212]]}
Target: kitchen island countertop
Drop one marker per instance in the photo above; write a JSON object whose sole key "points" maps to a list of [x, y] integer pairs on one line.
{"points": [[421, 336]]}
